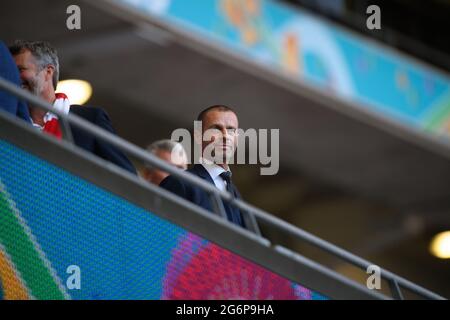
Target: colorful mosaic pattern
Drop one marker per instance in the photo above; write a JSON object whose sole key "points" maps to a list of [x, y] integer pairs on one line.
{"points": [[51, 220], [224, 276]]}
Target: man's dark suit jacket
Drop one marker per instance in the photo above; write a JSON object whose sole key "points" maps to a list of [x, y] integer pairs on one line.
{"points": [[9, 71], [198, 195], [92, 144]]}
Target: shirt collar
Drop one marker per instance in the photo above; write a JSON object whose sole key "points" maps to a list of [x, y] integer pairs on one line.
{"points": [[48, 116], [213, 169], [37, 126]]}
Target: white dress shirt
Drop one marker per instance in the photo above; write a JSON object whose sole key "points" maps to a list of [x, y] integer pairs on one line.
{"points": [[214, 171]]}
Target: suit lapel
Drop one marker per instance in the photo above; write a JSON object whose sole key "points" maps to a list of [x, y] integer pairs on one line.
{"points": [[200, 171], [233, 213]]}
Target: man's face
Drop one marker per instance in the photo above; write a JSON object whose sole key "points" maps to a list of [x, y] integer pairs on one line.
{"points": [[177, 159], [32, 76], [220, 132]]}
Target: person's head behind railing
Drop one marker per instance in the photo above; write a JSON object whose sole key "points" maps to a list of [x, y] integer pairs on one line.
{"points": [[169, 151]]}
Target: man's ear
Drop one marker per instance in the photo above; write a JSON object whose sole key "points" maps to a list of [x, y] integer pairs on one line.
{"points": [[49, 71]]}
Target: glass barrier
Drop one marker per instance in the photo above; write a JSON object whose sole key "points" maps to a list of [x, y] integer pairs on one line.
{"points": [[62, 237]]}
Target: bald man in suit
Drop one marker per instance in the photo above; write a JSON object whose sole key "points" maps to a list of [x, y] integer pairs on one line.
{"points": [[222, 122]]}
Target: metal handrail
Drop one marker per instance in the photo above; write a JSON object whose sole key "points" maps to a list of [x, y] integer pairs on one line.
{"points": [[252, 210]]}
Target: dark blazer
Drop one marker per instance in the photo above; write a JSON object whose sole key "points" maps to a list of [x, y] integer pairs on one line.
{"points": [[9, 71], [92, 144], [198, 195]]}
